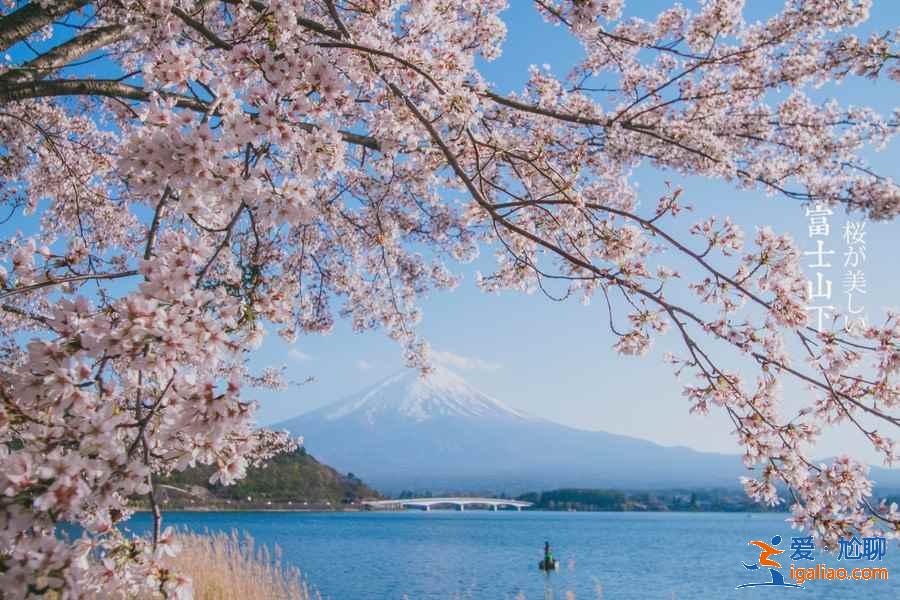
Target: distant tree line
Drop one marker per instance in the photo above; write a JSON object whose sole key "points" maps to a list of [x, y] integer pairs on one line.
{"points": [[585, 499]]}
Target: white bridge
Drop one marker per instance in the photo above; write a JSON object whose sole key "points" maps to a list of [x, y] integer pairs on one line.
{"points": [[458, 503]]}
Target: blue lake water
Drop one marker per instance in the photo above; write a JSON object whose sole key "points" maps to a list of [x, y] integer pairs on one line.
{"points": [[494, 555]]}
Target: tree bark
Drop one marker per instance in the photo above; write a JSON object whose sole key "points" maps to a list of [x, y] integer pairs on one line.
{"points": [[58, 57], [19, 24]]}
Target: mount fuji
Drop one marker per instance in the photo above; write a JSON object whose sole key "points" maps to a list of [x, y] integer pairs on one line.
{"points": [[440, 433]]}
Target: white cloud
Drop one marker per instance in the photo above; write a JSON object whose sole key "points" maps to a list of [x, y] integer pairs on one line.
{"points": [[458, 361], [298, 355], [363, 365]]}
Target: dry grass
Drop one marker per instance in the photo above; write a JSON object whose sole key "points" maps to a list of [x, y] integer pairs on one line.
{"points": [[229, 567]]}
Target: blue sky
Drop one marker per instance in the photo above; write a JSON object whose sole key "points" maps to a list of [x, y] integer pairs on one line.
{"points": [[554, 359]]}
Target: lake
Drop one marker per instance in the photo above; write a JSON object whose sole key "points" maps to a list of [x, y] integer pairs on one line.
{"points": [[494, 555]]}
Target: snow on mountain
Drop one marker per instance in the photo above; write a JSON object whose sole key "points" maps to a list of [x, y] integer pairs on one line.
{"points": [[440, 433], [410, 395]]}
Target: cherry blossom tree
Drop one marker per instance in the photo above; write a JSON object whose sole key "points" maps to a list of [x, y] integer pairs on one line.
{"points": [[199, 172]]}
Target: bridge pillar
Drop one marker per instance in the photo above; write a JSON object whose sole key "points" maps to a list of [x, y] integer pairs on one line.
{"points": [[427, 508], [519, 508], [493, 507], [460, 507]]}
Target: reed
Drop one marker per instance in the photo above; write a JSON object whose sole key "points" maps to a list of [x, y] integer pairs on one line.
{"points": [[232, 567]]}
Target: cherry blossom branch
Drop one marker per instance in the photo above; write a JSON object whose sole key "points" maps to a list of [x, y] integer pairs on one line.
{"points": [[544, 112], [60, 56], [201, 29], [64, 280], [436, 138], [117, 90], [23, 313], [225, 241], [110, 88], [154, 225], [19, 24]]}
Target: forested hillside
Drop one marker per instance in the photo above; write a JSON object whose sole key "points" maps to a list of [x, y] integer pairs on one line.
{"points": [[290, 480]]}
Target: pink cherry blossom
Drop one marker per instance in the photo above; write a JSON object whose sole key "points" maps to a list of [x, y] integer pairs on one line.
{"points": [[236, 168]]}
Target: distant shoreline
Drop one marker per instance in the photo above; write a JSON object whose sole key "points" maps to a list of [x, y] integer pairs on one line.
{"points": [[259, 509], [441, 510]]}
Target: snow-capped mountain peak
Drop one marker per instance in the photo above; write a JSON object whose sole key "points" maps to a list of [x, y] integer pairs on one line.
{"points": [[409, 395], [438, 432]]}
